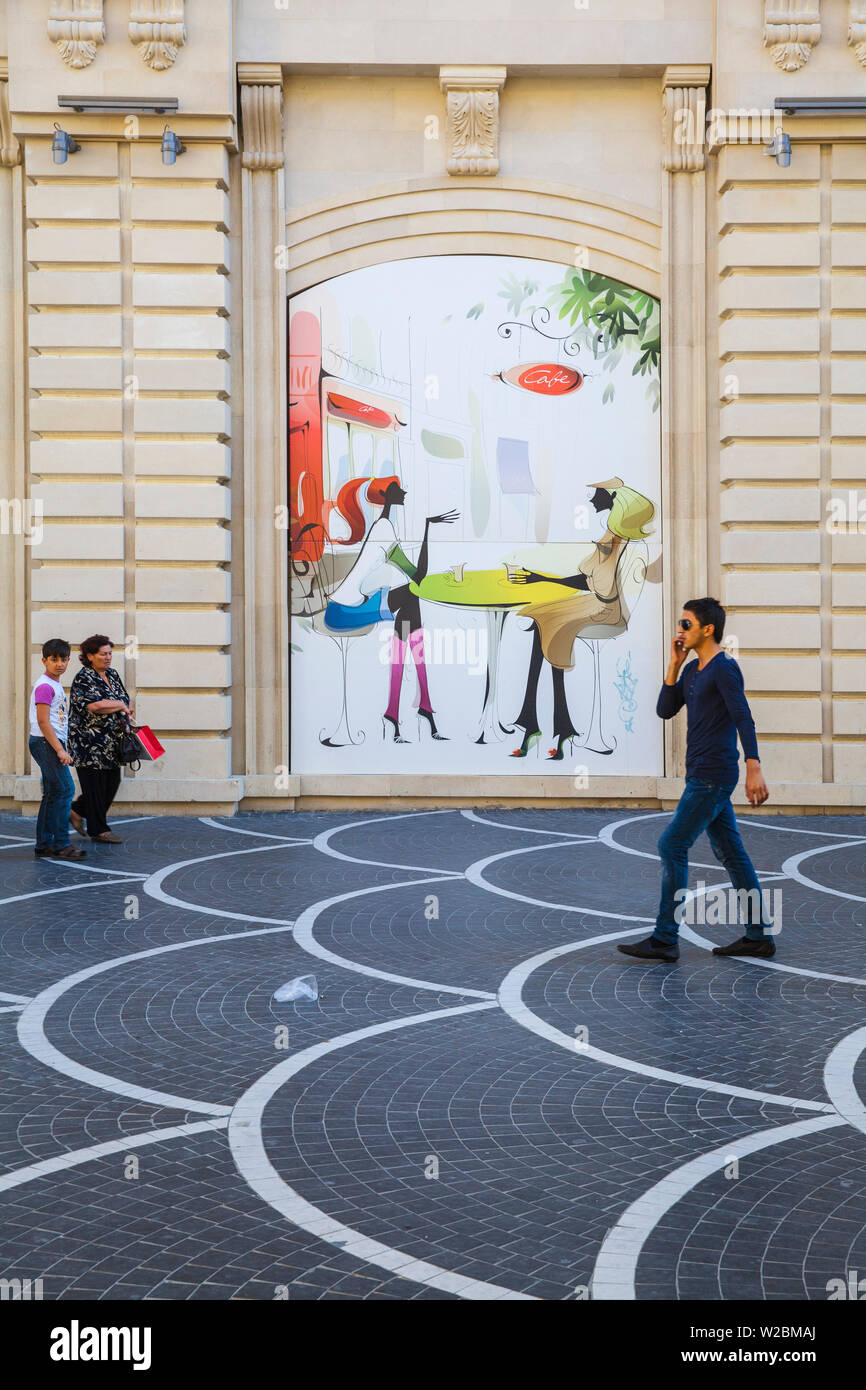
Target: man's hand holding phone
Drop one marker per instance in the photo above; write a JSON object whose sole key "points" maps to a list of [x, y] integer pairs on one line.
{"points": [[678, 656]]}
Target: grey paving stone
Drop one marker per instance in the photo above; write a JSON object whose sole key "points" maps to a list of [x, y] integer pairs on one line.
{"points": [[540, 1148]]}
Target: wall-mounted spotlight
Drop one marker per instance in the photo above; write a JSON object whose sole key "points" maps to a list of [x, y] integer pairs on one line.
{"points": [[62, 145], [780, 148], [171, 146]]}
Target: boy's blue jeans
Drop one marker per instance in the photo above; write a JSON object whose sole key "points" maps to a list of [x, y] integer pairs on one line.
{"points": [[703, 806], [58, 790]]}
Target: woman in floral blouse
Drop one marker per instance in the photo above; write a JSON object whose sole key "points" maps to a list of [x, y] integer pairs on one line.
{"points": [[97, 701]]}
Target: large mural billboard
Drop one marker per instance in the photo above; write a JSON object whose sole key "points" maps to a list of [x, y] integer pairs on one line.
{"points": [[474, 458]]}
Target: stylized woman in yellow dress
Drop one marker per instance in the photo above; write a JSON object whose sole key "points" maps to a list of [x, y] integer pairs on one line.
{"points": [[592, 598]]}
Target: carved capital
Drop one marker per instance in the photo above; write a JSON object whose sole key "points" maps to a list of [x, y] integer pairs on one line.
{"points": [[77, 28], [857, 28], [261, 115], [156, 28], [791, 30], [472, 131], [684, 117], [10, 150]]}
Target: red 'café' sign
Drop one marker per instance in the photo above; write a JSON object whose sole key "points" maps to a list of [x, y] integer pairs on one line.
{"points": [[361, 412], [544, 378]]}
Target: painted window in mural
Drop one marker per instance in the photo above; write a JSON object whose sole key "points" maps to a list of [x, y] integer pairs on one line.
{"points": [[474, 462]]}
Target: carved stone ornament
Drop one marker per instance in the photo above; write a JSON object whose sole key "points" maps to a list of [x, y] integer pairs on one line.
{"points": [[472, 131], [261, 115], [791, 30], [684, 118], [157, 30], [857, 28], [77, 28], [10, 150]]}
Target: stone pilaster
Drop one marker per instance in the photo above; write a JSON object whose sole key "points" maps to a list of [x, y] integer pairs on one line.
{"points": [[792, 28], [12, 489], [684, 451], [472, 132], [265, 481]]}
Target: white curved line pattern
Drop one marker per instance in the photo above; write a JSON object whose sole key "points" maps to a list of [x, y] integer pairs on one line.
{"points": [[153, 886], [689, 934], [523, 829], [475, 874], [616, 1263], [47, 1166], [791, 868], [766, 823], [258, 834], [31, 1027], [304, 937], [614, 1275], [66, 888], [252, 1162], [323, 844], [511, 999], [607, 837], [839, 1078]]}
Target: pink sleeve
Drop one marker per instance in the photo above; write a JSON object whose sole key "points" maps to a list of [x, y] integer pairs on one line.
{"points": [[43, 694]]}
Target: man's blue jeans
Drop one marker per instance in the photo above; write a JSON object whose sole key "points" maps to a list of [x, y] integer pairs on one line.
{"points": [[58, 790], [704, 806]]}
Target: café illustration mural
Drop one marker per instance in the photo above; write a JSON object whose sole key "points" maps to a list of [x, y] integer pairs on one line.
{"points": [[474, 535]]}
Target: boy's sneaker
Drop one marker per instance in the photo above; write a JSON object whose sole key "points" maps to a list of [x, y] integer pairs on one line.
{"points": [[70, 852], [650, 949], [745, 946]]}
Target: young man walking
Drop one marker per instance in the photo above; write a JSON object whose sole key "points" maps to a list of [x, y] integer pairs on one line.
{"points": [[712, 691]]}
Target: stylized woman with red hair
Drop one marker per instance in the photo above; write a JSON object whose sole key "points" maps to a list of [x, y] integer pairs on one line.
{"points": [[364, 597]]}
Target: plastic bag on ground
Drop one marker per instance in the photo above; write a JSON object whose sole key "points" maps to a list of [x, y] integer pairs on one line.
{"points": [[301, 987]]}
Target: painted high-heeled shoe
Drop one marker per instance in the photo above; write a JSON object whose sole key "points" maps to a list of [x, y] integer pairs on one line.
{"points": [[529, 741], [427, 714], [556, 755], [389, 719]]}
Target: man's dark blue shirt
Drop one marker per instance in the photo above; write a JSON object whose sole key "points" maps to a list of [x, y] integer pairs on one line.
{"points": [[717, 709]]}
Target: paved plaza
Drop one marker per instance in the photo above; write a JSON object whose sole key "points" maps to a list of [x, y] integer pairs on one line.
{"points": [[486, 1100]]}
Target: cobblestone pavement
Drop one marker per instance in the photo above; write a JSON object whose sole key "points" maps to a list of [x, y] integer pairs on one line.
{"points": [[486, 1101]]}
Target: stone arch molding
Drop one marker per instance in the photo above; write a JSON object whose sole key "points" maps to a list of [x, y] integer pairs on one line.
{"points": [[432, 217]]}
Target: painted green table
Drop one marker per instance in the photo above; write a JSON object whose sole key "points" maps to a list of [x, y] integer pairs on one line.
{"points": [[492, 593]]}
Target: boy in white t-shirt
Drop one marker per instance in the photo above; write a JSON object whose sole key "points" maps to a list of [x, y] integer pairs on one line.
{"points": [[49, 714]]}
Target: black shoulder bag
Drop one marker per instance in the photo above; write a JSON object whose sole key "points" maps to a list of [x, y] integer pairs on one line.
{"points": [[129, 753]]}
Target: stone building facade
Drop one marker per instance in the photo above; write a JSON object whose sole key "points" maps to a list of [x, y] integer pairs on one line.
{"points": [[143, 402]]}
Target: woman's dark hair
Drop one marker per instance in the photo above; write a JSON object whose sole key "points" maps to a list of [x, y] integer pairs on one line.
{"points": [[91, 645], [56, 646], [708, 610]]}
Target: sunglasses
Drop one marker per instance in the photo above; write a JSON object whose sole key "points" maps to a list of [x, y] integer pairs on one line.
{"points": [[685, 624]]}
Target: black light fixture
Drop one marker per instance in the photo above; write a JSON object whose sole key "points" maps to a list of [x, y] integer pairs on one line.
{"points": [[63, 145], [779, 148], [123, 106], [171, 146], [821, 106]]}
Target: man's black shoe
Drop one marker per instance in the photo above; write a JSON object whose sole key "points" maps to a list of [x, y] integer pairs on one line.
{"points": [[746, 947], [650, 949]]}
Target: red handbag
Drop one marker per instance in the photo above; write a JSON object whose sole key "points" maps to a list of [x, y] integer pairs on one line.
{"points": [[148, 743]]}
